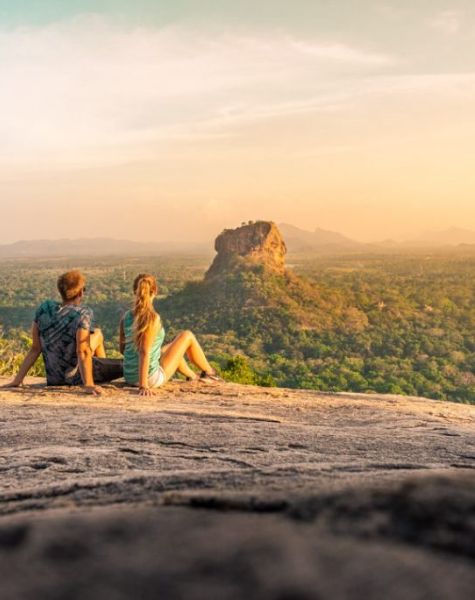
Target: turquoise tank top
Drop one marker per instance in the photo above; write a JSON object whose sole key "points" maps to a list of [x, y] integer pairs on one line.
{"points": [[131, 355]]}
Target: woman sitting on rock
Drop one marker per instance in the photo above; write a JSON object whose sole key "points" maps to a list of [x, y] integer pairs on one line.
{"points": [[147, 363]]}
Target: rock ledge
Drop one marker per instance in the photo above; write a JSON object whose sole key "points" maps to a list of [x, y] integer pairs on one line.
{"points": [[228, 491]]}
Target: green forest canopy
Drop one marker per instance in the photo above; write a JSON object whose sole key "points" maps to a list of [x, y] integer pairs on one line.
{"points": [[390, 324]]}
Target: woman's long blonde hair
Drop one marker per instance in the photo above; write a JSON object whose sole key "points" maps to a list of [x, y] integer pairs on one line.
{"points": [[145, 288]]}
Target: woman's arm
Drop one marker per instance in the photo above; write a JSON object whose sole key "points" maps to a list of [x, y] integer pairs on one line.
{"points": [[144, 360], [29, 359], [121, 336]]}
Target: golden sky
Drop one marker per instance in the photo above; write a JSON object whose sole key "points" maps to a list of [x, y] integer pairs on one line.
{"points": [[145, 124]]}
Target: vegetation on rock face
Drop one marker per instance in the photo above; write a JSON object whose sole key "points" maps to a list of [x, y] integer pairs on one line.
{"points": [[406, 330], [391, 324], [363, 330]]}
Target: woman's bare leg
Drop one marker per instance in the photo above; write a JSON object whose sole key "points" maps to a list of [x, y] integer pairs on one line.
{"points": [[97, 344], [183, 368], [184, 343]]}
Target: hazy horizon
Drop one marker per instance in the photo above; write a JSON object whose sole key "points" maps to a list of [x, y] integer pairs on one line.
{"points": [[210, 239], [145, 122], [420, 236]]}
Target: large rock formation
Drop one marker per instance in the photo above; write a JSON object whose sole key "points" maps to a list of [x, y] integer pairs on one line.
{"points": [[248, 289], [227, 491], [260, 242]]}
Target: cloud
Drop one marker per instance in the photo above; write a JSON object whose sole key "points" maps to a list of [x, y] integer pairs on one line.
{"points": [[447, 22], [341, 53], [87, 89], [90, 93]]}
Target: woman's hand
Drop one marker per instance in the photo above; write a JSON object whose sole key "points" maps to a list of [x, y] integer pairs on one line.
{"points": [[146, 391], [93, 390]]}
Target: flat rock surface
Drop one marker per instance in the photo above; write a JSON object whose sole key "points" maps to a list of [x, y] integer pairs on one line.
{"points": [[228, 491]]}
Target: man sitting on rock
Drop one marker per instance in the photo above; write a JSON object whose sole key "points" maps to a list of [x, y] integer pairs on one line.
{"points": [[73, 350]]}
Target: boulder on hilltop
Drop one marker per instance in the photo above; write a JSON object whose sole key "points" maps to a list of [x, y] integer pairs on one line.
{"points": [[248, 290], [260, 242]]}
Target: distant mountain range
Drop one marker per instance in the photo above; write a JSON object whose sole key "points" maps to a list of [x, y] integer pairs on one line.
{"points": [[97, 247], [453, 236], [324, 241], [297, 240]]}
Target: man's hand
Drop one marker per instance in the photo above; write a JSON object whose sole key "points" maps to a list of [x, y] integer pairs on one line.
{"points": [[93, 390], [146, 391], [13, 384], [29, 360]]}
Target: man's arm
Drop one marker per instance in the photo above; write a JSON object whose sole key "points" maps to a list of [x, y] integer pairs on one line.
{"points": [[84, 352], [29, 359]]}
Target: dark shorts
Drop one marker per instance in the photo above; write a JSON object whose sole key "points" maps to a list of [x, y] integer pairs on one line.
{"points": [[103, 371], [107, 369]]}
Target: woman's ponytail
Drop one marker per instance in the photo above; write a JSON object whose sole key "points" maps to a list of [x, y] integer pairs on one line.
{"points": [[145, 287]]}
